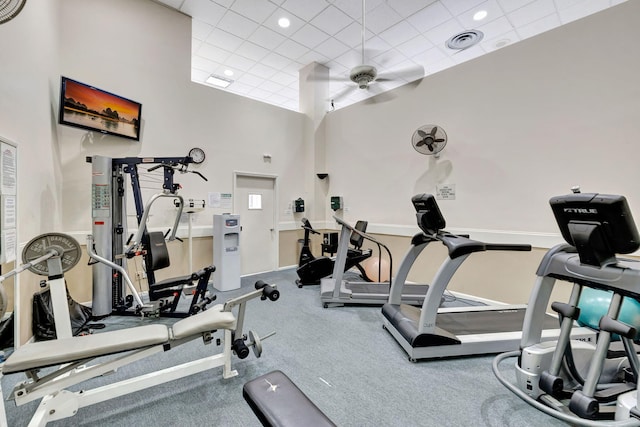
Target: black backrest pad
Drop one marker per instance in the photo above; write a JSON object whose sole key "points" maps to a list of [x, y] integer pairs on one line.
{"points": [[157, 256], [355, 239]]}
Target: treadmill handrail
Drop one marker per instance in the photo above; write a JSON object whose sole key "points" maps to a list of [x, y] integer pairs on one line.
{"points": [[341, 255]]}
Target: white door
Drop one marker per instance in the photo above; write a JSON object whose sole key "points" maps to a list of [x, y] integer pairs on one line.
{"points": [[255, 202]]}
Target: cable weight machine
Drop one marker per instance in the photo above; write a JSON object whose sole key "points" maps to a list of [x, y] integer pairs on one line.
{"points": [[110, 241]]}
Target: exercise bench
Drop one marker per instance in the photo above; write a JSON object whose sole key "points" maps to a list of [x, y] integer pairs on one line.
{"points": [[278, 402]]}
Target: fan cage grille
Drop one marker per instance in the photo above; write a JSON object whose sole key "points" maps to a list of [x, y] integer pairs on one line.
{"points": [[9, 9]]}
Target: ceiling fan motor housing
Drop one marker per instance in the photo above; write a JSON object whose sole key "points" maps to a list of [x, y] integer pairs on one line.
{"points": [[362, 75]]}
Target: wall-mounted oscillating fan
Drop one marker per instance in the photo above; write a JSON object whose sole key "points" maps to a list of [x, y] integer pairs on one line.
{"points": [[429, 140], [10, 9]]}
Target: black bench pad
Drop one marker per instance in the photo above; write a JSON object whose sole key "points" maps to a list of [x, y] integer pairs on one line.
{"points": [[277, 401]]}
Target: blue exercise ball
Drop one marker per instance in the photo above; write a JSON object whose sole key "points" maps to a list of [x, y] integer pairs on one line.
{"points": [[594, 303]]}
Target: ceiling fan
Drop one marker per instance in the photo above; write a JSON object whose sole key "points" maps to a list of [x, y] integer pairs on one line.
{"points": [[10, 9], [364, 75]]}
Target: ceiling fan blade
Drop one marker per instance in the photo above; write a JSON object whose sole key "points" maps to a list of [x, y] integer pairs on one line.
{"points": [[430, 147], [439, 140], [422, 133], [421, 143], [343, 93], [409, 74], [433, 131]]}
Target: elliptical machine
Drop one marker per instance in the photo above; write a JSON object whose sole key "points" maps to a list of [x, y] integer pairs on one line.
{"points": [[311, 269], [551, 374]]}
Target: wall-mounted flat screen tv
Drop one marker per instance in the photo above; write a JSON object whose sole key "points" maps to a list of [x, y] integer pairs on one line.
{"points": [[87, 107]]}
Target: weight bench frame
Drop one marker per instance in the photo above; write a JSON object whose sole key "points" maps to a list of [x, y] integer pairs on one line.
{"points": [[58, 403]]}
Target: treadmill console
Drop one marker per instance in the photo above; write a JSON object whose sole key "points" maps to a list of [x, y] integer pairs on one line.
{"points": [[430, 219], [597, 225]]}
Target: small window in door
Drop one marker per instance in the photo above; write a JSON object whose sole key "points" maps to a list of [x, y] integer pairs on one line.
{"points": [[255, 201]]}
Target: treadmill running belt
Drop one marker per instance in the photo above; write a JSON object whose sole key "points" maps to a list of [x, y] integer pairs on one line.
{"points": [[487, 322], [382, 289]]}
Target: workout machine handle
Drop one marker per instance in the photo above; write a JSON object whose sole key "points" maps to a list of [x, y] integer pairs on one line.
{"points": [[143, 221], [268, 291]]}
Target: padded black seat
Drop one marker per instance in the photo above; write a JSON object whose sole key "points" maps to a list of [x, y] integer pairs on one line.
{"points": [[278, 402]]}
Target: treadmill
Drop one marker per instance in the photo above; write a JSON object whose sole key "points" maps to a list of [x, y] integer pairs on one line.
{"points": [[336, 291], [430, 332]]}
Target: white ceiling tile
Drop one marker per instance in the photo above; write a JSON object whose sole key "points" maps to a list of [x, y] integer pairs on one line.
{"points": [[414, 46], [251, 79], [206, 11], [291, 48], [376, 45], [267, 38], [388, 60], [331, 20], [284, 79], [225, 3], [240, 88], [407, 8], [238, 62], [531, 12], [381, 18], [276, 98], [224, 40], [295, 23], [293, 67], [581, 10], [259, 93], [456, 7], [313, 56], [511, 5], [310, 36], [237, 25], [350, 59], [331, 48], [467, 54], [256, 10], [195, 45], [263, 71], [271, 86], [200, 29], [429, 57], [439, 35], [399, 33], [305, 9], [493, 9], [213, 53], [539, 26], [430, 17], [204, 64], [199, 75], [276, 61], [352, 35], [496, 27], [252, 51], [501, 41]]}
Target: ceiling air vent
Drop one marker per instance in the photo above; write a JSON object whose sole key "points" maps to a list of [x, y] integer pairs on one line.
{"points": [[465, 39]]}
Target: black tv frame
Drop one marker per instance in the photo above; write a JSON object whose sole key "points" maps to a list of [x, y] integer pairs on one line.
{"points": [[101, 117]]}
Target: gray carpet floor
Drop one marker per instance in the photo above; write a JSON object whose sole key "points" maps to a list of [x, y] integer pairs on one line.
{"points": [[341, 357]]}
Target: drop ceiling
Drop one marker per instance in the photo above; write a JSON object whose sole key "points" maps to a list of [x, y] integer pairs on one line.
{"points": [[243, 37]]}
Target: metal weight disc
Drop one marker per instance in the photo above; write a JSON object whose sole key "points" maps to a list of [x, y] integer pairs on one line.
{"points": [[64, 246], [255, 343]]}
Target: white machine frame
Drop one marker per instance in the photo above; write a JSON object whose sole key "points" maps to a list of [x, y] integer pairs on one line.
{"points": [[72, 354]]}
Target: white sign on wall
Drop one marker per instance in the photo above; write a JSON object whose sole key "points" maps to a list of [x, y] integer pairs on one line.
{"points": [[446, 191]]}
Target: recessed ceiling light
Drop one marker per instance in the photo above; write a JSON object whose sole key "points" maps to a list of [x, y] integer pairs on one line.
{"points": [[218, 81], [480, 15], [228, 73], [284, 22], [502, 43]]}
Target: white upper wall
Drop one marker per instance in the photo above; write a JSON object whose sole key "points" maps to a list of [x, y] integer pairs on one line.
{"points": [[28, 63], [524, 123], [142, 51]]}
